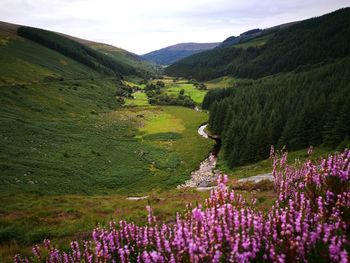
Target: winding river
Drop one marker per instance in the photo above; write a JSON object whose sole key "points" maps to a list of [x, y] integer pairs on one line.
{"points": [[206, 175]]}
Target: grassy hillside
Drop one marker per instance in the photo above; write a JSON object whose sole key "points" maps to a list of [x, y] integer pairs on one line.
{"points": [[44, 55], [308, 42], [24, 61], [69, 157], [119, 54], [57, 134], [74, 50], [65, 136]]}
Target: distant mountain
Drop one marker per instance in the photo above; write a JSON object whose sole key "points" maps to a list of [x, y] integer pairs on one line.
{"points": [[279, 49], [171, 54]]}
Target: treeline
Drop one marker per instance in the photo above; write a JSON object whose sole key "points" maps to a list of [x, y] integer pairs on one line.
{"points": [[295, 109], [308, 42], [76, 51]]}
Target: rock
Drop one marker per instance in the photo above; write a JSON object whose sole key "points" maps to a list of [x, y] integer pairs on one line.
{"points": [[257, 178], [203, 184]]}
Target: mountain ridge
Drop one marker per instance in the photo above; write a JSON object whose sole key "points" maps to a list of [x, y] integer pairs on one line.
{"points": [[173, 53], [308, 42]]}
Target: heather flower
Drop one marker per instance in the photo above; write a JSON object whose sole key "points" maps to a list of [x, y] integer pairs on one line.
{"points": [[312, 209]]}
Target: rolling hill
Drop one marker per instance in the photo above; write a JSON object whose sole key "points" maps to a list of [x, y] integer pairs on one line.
{"points": [[142, 65], [171, 54], [41, 55]]}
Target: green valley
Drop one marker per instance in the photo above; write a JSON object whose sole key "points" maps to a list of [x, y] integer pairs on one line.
{"points": [[92, 134], [66, 137]]}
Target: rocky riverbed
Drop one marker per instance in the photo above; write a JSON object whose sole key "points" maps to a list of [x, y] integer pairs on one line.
{"points": [[206, 175]]}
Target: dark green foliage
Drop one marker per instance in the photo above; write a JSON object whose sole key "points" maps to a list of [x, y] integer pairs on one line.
{"points": [[309, 42], [296, 109], [157, 96], [76, 51], [124, 91]]}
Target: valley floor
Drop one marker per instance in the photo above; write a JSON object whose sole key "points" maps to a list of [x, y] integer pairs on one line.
{"points": [[67, 168]]}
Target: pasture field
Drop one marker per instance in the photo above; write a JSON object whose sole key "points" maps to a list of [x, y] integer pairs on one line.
{"points": [[196, 94], [140, 99]]}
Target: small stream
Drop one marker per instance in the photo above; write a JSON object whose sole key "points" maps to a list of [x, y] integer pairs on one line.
{"points": [[206, 175]]}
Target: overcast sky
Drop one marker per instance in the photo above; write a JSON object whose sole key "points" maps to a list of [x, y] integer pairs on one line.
{"points": [[141, 26]]}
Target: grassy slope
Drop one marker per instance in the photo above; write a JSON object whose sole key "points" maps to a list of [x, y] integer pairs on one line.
{"points": [[72, 152], [119, 54], [52, 135], [23, 61], [62, 141]]}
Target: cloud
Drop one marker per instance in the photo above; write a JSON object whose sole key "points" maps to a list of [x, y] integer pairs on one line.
{"points": [[141, 26]]}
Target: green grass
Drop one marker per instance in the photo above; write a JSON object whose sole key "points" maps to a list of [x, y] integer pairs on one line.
{"points": [[162, 122], [69, 159], [58, 139], [174, 130], [23, 61], [140, 99], [196, 94]]}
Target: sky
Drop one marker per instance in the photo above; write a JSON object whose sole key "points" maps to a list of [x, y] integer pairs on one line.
{"points": [[141, 26]]}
